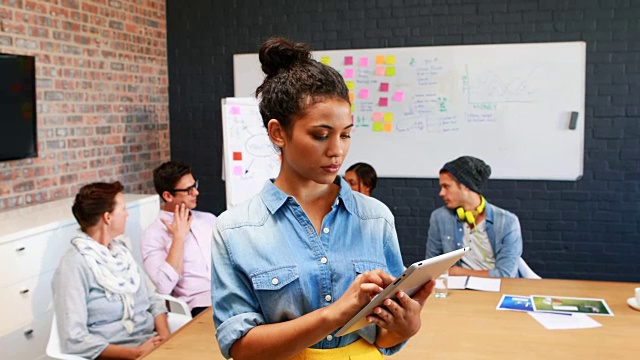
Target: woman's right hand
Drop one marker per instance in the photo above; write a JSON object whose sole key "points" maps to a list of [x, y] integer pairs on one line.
{"points": [[359, 293], [149, 345]]}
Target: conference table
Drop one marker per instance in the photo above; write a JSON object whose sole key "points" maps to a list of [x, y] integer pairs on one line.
{"points": [[466, 325]]}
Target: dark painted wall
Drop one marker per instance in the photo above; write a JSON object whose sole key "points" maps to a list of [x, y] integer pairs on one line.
{"points": [[585, 230]]}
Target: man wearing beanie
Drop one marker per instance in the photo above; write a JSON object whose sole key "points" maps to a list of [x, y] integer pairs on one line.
{"points": [[493, 234]]}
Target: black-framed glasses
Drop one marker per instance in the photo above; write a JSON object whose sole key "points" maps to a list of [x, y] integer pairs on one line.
{"points": [[188, 190]]}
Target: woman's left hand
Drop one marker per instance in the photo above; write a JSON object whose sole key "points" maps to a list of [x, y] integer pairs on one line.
{"points": [[400, 319]]}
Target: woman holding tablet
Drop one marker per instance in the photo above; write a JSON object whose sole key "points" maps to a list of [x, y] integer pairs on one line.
{"points": [[295, 263]]}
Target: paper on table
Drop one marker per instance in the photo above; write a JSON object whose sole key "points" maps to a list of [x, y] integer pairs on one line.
{"points": [[484, 284], [564, 321], [458, 282]]}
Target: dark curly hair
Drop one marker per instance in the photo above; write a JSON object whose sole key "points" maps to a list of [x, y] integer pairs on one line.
{"points": [[294, 81]]}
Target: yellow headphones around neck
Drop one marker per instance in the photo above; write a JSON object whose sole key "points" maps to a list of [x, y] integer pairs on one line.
{"points": [[470, 215]]}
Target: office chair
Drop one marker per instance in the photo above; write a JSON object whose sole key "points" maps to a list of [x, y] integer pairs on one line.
{"points": [[524, 271]]}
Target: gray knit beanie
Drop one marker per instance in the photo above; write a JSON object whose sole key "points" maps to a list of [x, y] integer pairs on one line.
{"points": [[469, 171]]}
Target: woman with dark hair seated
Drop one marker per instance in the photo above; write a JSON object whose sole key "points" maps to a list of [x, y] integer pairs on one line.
{"points": [[362, 178], [102, 305]]}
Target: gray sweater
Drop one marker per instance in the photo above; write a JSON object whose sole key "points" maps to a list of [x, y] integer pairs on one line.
{"points": [[87, 320]]}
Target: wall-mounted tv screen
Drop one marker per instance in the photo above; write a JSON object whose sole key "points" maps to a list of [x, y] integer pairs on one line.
{"points": [[18, 134]]}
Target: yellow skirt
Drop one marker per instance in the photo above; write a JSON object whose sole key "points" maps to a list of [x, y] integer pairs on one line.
{"points": [[359, 350]]}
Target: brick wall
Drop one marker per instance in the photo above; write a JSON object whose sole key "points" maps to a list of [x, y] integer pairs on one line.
{"points": [[102, 94], [586, 229]]}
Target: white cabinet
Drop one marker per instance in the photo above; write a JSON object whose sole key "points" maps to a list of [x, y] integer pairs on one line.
{"points": [[32, 241]]}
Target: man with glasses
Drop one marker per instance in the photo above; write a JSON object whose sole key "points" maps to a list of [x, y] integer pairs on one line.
{"points": [[176, 248], [492, 233]]}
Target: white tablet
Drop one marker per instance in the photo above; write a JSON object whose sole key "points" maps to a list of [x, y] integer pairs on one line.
{"points": [[411, 280]]}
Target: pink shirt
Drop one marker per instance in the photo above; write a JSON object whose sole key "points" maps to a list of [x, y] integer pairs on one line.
{"points": [[194, 286]]}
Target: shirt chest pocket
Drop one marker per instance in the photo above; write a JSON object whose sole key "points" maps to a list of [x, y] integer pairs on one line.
{"points": [[362, 266], [278, 291]]}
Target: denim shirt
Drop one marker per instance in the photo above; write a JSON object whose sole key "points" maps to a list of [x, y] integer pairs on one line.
{"points": [[269, 265], [503, 230]]}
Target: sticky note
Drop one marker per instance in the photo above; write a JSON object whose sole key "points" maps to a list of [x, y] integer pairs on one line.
{"points": [[379, 59], [325, 60], [364, 93], [348, 73], [237, 156], [379, 70], [391, 60], [388, 117], [377, 126], [384, 87], [364, 61], [377, 116], [348, 60], [398, 96], [387, 127], [350, 85], [391, 71], [235, 110], [353, 107], [237, 170], [383, 101], [351, 96]]}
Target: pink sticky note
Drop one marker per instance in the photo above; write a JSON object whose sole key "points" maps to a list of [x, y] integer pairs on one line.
{"points": [[398, 96], [235, 110], [237, 170], [380, 70], [348, 60], [348, 73], [383, 101], [364, 61], [364, 93], [384, 86], [377, 116]]}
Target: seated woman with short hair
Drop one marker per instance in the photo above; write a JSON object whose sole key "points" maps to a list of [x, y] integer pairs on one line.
{"points": [[102, 305]]}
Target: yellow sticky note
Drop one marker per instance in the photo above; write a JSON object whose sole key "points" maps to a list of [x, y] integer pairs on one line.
{"points": [[325, 60], [390, 71], [391, 60], [380, 59], [350, 85], [353, 107], [377, 126], [388, 117]]}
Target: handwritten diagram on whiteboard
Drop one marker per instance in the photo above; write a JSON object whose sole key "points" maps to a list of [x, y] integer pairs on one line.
{"points": [[416, 108], [250, 158]]}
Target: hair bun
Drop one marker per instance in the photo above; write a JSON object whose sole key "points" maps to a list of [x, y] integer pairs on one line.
{"points": [[279, 53]]}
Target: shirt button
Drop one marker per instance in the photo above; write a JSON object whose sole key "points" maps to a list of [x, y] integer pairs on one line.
{"points": [[329, 338], [324, 260], [326, 230], [328, 298], [274, 281]]}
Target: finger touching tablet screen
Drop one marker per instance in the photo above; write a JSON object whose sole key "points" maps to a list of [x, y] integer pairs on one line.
{"points": [[410, 281]]}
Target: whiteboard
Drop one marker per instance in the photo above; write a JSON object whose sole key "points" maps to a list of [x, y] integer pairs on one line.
{"points": [[249, 156], [416, 108]]}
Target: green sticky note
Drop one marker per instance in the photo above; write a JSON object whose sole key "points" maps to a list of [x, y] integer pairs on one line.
{"points": [[350, 85], [391, 71], [377, 126]]}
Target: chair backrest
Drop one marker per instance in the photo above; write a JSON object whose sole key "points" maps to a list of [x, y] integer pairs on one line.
{"points": [[53, 346], [524, 271]]}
